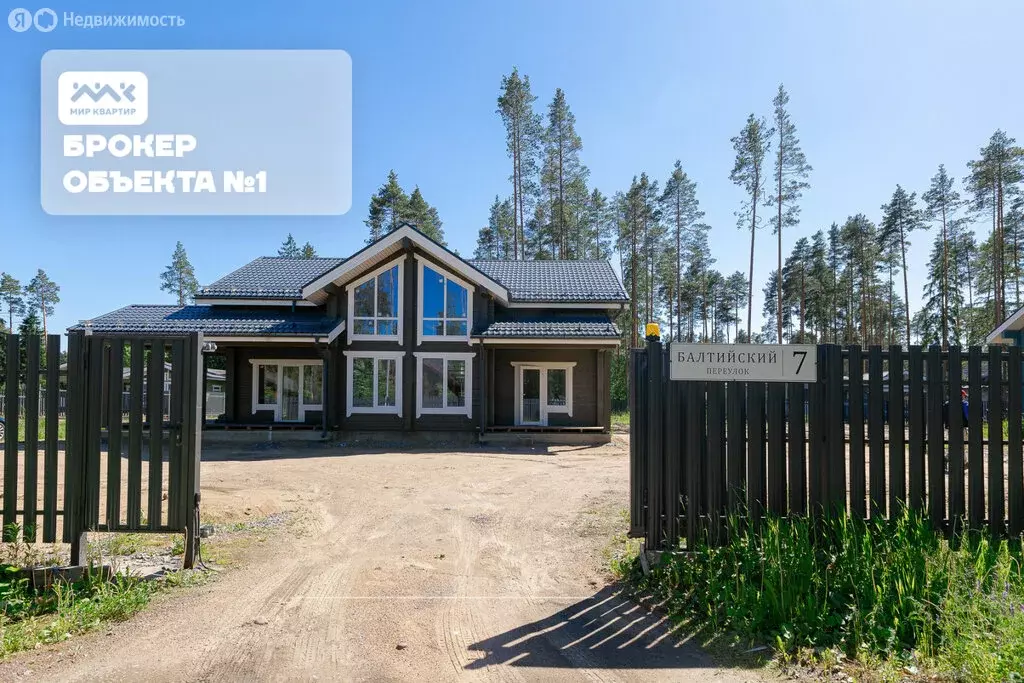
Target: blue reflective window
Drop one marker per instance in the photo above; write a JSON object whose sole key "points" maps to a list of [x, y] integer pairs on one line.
{"points": [[445, 306]]}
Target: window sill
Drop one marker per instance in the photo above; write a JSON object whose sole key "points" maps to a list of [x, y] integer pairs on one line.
{"points": [[445, 411], [388, 410]]}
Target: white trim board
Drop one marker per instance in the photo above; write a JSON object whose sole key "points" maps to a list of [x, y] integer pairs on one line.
{"points": [[445, 356], [375, 409], [442, 255], [611, 306]]}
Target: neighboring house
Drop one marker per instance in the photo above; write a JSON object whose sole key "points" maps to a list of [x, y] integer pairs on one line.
{"points": [[405, 335], [1011, 332]]}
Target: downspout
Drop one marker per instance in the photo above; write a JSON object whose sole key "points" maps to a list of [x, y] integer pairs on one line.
{"points": [[483, 390]]}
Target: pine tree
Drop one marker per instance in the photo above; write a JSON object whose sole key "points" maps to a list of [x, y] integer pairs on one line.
{"points": [[424, 216], [791, 171], [751, 146], [941, 202], [523, 133], [29, 327], [562, 172], [495, 239], [681, 210], [900, 217], [736, 296], [289, 248], [992, 179], [43, 294], [308, 251], [597, 230], [389, 207], [179, 278], [12, 296]]}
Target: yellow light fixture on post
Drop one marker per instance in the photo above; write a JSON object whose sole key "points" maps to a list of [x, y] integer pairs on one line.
{"points": [[652, 331]]}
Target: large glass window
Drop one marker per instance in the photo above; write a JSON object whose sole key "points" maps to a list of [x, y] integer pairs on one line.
{"points": [[375, 305], [443, 384], [445, 306], [374, 384]]}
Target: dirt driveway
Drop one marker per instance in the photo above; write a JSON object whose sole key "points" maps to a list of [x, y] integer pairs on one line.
{"points": [[426, 566]]}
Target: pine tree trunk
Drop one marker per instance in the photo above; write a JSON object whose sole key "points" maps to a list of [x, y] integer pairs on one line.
{"points": [[778, 278], [945, 282]]}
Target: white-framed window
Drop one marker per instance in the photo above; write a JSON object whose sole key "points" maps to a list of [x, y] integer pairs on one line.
{"points": [[445, 305], [375, 304], [444, 384], [541, 389], [374, 382], [289, 387]]}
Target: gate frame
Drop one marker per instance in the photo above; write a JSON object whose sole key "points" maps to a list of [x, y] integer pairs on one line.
{"points": [[81, 468]]}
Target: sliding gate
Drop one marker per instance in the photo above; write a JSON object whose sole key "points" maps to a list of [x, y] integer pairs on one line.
{"points": [[879, 429], [126, 467]]}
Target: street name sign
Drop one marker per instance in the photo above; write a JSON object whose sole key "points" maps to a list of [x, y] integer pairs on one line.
{"points": [[746, 362]]}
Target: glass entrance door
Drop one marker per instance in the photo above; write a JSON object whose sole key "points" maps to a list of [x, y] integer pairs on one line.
{"points": [[289, 398], [531, 396]]}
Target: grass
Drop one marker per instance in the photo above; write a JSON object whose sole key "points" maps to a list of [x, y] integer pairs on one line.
{"points": [[29, 617], [621, 418], [61, 429], [890, 596]]}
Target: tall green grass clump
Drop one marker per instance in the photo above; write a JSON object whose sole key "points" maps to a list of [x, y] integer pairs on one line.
{"points": [[876, 588]]}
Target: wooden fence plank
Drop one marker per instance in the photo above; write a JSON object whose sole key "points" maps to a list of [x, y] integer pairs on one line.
{"points": [[797, 449], [915, 368], [676, 457], [755, 452], [836, 430], [954, 417], [94, 416], [736, 433], [11, 437], [51, 443], [30, 516], [776, 436], [715, 461], [693, 437], [73, 478], [637, 427], [1015, 458], [817, 473], [155, 416], [876, 432], [897, 451], [174, 493], [996, 490], [936, 447], [855, 408], [115, 383], [975, 471], [135, 417]]}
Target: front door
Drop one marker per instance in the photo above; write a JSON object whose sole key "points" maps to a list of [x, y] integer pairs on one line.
{"points": [[289, 389], [530, 410]]}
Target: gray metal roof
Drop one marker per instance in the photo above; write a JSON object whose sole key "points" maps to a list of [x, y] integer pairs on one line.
{"points": [[556, 281], [270, 277], [213, 320], [553, 326]]}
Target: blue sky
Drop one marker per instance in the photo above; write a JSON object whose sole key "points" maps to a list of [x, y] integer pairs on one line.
{"points": [[881, 93]]}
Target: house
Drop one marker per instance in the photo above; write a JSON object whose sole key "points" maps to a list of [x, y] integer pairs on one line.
{"points": [[1011, 332], [405, 335]]}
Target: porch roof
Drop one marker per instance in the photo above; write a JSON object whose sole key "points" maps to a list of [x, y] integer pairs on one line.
{"points": [[552, 326], [216, 321]]}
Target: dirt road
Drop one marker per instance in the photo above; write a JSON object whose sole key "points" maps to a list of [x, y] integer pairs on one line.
{"points": [[407, 567]]}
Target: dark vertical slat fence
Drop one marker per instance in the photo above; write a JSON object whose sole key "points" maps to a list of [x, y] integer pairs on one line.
{"points": [[703, 450], [32, 449]]}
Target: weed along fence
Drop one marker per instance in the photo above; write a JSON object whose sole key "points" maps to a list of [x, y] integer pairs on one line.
{"points": [[101, 469], [749, 431]]}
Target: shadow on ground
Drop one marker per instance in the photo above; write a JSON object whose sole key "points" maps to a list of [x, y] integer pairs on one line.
{"points": [[604, 631]]}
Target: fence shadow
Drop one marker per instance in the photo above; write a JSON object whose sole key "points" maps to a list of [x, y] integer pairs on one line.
{"points": [[607, 630]]}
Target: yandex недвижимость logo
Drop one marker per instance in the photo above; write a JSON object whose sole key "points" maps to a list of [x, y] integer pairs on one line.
{"points": [[102, 98]]}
